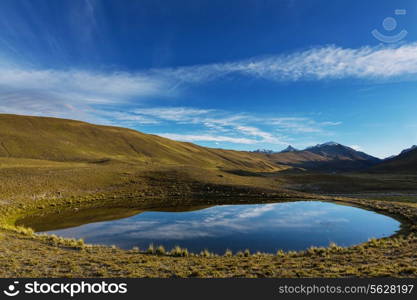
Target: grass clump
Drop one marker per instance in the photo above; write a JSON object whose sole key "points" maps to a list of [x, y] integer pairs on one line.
{"points": [[151, 249], [58, 241], [160, 250], [228, 253], [80, 243], [206, 253], [373, 242], [179, 252], [317, 250], [333, 247]]}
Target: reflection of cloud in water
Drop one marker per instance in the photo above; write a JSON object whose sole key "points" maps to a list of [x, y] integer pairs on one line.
{"points": [[267, 227], [213, 222], [256, 211], [174, 232]]}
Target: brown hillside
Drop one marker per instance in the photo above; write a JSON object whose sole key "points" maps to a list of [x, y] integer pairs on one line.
{"points": [[67, 140]]}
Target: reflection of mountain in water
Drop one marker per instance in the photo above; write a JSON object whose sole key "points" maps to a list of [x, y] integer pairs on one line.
{"points": [[76, 217]]}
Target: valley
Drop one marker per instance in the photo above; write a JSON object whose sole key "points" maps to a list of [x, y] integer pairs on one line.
{"points": [[52, 165]]}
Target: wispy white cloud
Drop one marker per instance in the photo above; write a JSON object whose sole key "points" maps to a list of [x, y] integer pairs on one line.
{"points": [[256, 211], [72, 94], [82, 95], [329, 62], [82, 88], [331, 123], [179, 114], [208, 138], [294, 124], [128, 118], [215, 122], [94, 95], [213, 125], [356, 147], [266, 137], [89, 87], [300, 124]]}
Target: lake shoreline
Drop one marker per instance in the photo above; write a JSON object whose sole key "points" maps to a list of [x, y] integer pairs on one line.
{"points": [[401, 211]]}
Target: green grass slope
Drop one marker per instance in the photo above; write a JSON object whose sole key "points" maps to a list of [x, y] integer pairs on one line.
{"points": [[68, 140]]}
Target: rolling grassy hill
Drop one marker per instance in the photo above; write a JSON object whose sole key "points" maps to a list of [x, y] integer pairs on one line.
{"points": [[63, 140], [51, 158], [406, 162], [48, 157], [74, 141]]}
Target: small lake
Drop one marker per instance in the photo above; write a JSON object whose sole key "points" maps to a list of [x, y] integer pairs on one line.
{"points": [[260, 227]]}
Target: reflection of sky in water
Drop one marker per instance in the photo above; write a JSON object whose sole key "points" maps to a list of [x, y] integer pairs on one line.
{"points": [[263, 227]]}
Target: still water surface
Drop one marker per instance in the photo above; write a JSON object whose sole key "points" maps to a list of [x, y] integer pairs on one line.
{"points": [[263, 227]]}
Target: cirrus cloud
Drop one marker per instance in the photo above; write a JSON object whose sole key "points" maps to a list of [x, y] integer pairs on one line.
{"points": [[207, 138], [116, 97], [47, 91]]}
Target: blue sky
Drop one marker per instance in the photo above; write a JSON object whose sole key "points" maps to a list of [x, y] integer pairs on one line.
{"points": [[230, 74]]}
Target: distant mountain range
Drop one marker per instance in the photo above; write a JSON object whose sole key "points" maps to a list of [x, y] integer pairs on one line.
{"points": [[335, 157], [327, 157], [67, 140]]}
